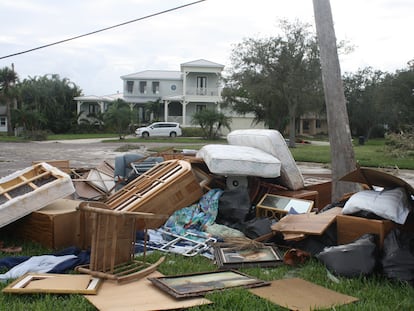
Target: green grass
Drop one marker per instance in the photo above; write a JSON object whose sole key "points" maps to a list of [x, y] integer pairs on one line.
{"points": [[374, 292], [372, 154]]}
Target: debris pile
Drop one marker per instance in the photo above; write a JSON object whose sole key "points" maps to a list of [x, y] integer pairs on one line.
{"points": [[242, 205]]}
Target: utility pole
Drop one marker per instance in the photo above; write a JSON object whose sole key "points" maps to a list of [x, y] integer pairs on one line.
{"points": [[342, 152]]}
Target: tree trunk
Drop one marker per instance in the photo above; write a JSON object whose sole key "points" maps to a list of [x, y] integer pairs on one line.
{"points": [[342, 152]]}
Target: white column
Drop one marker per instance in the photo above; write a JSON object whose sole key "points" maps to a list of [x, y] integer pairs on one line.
{"points": [[166, 103], [184, 104]]}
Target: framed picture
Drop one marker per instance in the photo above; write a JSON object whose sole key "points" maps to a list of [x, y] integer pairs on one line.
{"points": [[199, 284], [231, 258], [285, 205]]}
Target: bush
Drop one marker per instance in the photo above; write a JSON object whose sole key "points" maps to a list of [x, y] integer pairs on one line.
{"points": [[192, 132], [400, 144]]}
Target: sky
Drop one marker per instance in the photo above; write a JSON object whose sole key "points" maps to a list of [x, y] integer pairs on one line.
{"points": [[379, 31]]}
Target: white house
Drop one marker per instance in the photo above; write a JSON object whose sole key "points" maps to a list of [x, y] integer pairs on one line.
{"points": [[195, 87], [3, 119]]}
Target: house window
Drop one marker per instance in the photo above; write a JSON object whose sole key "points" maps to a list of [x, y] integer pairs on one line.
{"points": [[200, 108], [201, 85], [3, 122], [93, 108], [155, 87], [143, 87], [318, 124], [130, 86]]}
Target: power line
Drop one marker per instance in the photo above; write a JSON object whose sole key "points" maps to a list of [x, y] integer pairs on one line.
{"points": [[103, 29]]}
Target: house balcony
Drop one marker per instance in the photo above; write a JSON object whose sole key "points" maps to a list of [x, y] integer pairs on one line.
{"points": [[203, 91]]}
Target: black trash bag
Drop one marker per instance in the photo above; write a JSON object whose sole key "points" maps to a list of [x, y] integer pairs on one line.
{"points": [[256, 227], [233, 207], [314, 244], [353, 259], [398, 256]]}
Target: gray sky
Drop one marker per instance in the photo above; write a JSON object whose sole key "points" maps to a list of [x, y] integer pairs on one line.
{"points": [[380, 30]]}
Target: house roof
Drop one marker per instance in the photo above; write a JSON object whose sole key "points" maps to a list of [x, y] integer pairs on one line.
{"points": [[202, 63], [109, 98], [154, 75]]}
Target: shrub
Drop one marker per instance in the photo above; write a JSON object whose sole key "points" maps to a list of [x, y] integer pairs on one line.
{"points": [[400, 144]]}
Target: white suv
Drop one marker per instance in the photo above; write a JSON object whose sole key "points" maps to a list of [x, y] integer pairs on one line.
{"points": [[171, 129]]}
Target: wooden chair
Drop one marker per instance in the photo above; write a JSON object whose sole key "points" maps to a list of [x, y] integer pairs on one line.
{"points": [[111, 235]]}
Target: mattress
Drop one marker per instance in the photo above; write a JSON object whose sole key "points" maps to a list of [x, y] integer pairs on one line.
{"points": [[239, 161], [272, 142], [30, 189]]}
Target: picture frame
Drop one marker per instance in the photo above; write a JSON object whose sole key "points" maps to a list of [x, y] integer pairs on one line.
{"points": [[285, 205], [49, 283], [199, 284], [232, 258]]}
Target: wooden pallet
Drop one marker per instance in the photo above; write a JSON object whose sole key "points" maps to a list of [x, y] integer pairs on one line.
{"points": [[167, 187]]}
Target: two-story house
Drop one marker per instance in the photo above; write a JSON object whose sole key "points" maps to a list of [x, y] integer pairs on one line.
{"points": [[181, 94]]}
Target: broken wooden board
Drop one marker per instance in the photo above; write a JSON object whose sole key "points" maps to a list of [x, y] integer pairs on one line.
{"points": [[31, 189], [301, 295], [140, 295], [307, 223], [49, 283]]}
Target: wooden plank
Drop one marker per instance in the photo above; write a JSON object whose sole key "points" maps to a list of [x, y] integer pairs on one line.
{"points": [[307, 223]]}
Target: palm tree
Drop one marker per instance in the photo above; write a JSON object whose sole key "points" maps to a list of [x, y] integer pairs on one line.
{"points": [[8, 79]]}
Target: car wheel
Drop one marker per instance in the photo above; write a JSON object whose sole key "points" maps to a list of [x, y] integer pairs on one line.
{"points": [[145, 135], [173, 134]]}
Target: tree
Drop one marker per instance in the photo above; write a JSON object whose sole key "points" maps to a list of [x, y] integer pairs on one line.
{"points": [[51, 97], [8, 79], [363, 91], [211, 121], [276, 78], [154, 109], [118, 117], [342, 152]]}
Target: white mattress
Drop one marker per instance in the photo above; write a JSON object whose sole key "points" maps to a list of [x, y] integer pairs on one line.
{"points": [[272, 142], [239, 161]]}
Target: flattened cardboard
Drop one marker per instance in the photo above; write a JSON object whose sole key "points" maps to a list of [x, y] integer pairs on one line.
{"points": [[301, 295], [372, 177], [140, 295]]}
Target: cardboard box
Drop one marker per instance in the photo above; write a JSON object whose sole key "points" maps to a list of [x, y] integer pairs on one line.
{"points": [[55, 226], [350, 228]]}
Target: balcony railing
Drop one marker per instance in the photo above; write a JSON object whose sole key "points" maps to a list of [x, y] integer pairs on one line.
{"points": [[204, 91]]}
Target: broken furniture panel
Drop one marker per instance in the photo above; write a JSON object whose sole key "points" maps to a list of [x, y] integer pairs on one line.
{"points": [[54, 226], [49, 283], [350, 228], [315, 224], [31, 189], [112, 238], [167, 187]]}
